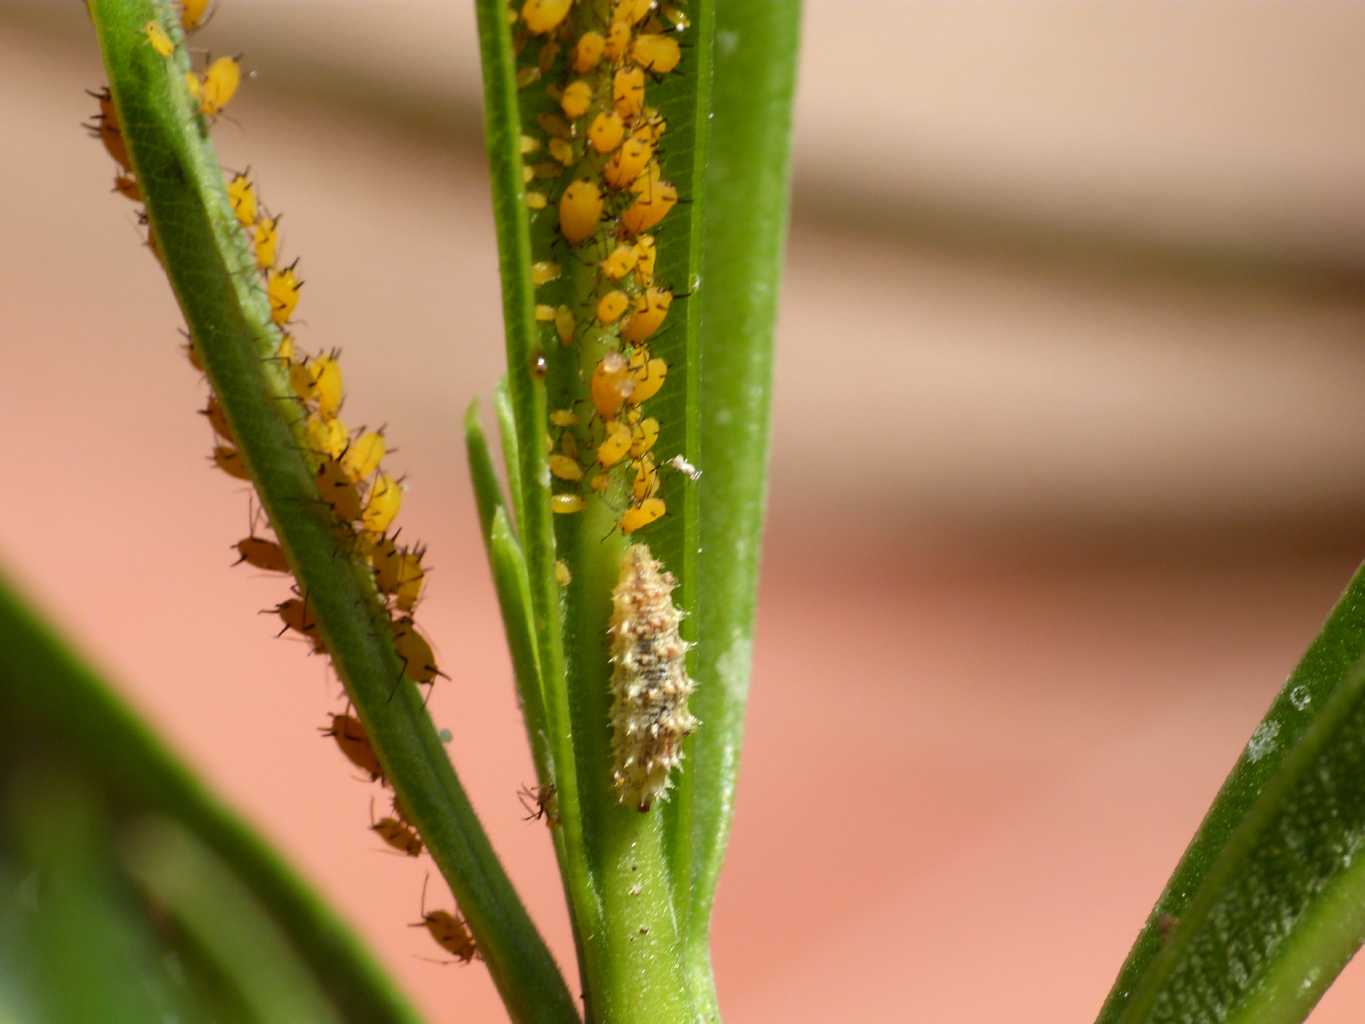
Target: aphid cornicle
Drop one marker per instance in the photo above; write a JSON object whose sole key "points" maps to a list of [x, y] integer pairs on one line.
{"points": [[451, 933]]}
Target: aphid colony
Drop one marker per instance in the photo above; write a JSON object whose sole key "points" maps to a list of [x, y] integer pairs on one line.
{"points": [[593, 166], [363, 499], [649, 682]]}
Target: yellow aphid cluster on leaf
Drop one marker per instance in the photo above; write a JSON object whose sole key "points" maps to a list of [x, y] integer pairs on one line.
{"points": [[605, 190]]}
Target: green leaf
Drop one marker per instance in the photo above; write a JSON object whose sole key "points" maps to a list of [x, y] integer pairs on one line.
{"points": [[747, 185], [55, 709], [210, 267], [1268, 903]]}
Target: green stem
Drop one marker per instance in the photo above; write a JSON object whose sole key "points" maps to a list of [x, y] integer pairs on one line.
{"points": [[209, 265]]}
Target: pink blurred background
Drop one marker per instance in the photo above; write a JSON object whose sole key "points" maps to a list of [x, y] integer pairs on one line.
{"points": [[1066, 465]]}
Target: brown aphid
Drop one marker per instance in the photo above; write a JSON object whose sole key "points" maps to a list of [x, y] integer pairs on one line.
{"points": [[213, 412], [295, 615], [450, 932], [262, 554], [397, 834], [349, 733], [539, 803]]}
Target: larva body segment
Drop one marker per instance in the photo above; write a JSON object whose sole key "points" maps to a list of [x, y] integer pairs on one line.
{"points": [[649, 681]]}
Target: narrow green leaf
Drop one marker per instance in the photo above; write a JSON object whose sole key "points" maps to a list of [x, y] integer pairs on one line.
{"points": [[743, 237], [210, 268], [1268, 903], [221, 916], [53, 706], [523, 445]]}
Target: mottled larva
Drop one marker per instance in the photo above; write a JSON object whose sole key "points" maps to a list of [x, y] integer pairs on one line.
{"points": [[650, 687]]}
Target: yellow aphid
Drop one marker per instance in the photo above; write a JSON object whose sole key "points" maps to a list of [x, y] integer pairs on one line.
{"points": [[542, 16], [296, 615], [229, 460], [656, 53], [326, 436], [619, 262], [562, 575], [242, 196], [192, 354], [564, 418], [628, 92], [641, 515], [350, 735], [576, 100], [646, 254], [649, 128], [611, 306], [381, 508], [562, 151], [221, 80], [337, 492], [213, 412], [398, 571], [262, 554], [649, 376], [536, 200], [580, 211], [265, 237], [282, 289], [643, 435], [397, 834], [566, 504], [565, 468], [527, 175], [564, 325], [529, 144], [286, 350], [648, 316], [192, 14], [547, 169], [157, 37], [554, 126], [611, 385], [544, 272], [527, 76], [646, 483], [126, 185], [411, 577], [614, 448], [418, 660], [450, 932], [632, 12], [194, 87], [363, 455], [606, 131], [327, 385], [301, 379], [544, 314], [627, 163], [598, 482], [618, 39], [588, 51], [656, 198]]}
